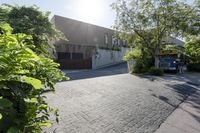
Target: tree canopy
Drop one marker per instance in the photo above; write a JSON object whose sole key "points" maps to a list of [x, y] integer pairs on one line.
{"points": [[152, 23], [192, 50], [32, 21]]}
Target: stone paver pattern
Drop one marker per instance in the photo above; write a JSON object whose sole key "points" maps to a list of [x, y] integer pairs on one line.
{"points": [[186, 118], [115, 101]]}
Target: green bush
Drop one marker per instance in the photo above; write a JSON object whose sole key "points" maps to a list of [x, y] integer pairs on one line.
{"points": [[192, 50], [134, 54], [143, 60], [156, 71], [139, 67], [24, 78]]}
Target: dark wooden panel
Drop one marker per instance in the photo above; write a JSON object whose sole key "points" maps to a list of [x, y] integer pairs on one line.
{"points": [[75, 64]]}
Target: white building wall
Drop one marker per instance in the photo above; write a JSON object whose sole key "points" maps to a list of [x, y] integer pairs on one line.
{"points": [[108, 57]]}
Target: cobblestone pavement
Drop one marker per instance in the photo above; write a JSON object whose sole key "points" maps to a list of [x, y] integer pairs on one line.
{"points": [[115, 102]]}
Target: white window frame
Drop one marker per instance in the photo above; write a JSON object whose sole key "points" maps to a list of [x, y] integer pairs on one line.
{"points": [[113, 40], [106, 38]]}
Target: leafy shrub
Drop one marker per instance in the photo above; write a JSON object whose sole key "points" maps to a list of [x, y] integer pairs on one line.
{"points": [[192, 50], [139, 67], [24, 78], [156, 71], [134, 54], [143, 60]]}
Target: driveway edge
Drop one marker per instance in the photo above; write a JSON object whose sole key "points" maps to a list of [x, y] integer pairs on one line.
{"points": [[185, 118]]}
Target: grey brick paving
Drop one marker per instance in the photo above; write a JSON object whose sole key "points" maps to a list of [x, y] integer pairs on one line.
{"points": [[114, 102]]}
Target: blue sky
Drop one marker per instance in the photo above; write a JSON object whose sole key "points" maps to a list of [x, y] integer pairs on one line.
{"points": [[97, 12]]}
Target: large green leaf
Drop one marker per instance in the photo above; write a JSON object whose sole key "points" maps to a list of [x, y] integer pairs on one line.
{"points": [[32, 81], [45, 124], [37, 84], [1, 116], [23, 71], [32, 100], [6, 28]]}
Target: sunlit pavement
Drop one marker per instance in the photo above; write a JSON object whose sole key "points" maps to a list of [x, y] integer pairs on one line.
{"points": [[110, 100]]}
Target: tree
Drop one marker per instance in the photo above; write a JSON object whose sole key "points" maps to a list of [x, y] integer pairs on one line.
{"points": [[192, 50], [152, 22], [31, 21], [24, 78]]}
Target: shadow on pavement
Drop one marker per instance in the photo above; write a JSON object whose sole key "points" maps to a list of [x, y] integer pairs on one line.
{"points": [[184, 91], [190, 78], [194, 101], [165, 99], [106, 71]]}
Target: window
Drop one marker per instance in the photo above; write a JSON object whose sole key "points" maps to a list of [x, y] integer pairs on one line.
{"points": [[106, 38], [77, 56], [113, 40], [63, 55]]}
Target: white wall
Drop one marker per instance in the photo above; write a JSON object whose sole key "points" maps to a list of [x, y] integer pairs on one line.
{"points": [[108, 57]]}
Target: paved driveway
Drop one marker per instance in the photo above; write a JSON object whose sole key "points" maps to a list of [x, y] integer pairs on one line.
{"points": [[110, 100]]}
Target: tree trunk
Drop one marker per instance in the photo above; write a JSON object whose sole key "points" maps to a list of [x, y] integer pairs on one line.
{"points": [[156, 63], [156, 58]]}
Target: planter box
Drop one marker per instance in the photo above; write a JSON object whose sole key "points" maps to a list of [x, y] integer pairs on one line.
{"points": [[130, 64]]}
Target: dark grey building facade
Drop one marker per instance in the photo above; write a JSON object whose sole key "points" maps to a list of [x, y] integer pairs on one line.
{"points": [[83, 40]]}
